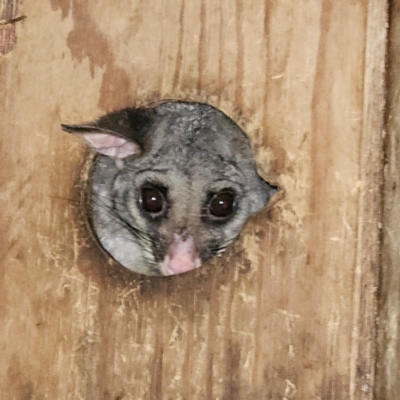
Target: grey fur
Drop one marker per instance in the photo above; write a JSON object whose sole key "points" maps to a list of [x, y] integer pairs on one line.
{"points": [[191, 149]]}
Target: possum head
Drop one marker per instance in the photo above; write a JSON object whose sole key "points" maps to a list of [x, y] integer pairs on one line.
{"points": [[173, 185]]}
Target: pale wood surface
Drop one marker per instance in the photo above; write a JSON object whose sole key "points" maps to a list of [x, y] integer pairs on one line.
{"points": [[288, 312]]}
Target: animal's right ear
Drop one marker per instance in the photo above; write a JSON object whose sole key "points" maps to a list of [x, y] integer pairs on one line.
{"points": [[119, 134], [104, 142]]}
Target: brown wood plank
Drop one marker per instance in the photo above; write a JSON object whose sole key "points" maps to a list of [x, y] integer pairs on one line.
{"points": [[388, 360], [8, 18]]}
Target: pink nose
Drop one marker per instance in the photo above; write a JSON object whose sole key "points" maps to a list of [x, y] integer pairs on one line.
{"points": [[182, 256]]}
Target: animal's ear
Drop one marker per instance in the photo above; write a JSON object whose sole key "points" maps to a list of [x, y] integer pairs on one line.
{"points": [[119, 134], [105, 142], [265, 192]]}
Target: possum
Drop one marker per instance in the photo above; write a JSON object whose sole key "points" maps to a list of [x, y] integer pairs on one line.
{"points": [[173, 185]]}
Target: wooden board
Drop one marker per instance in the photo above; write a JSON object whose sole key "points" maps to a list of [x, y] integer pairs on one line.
{"points": [[289, 311], [8, 18], [388, 361]]}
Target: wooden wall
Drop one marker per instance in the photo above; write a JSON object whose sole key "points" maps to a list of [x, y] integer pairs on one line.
{"points": [[289, 311]]}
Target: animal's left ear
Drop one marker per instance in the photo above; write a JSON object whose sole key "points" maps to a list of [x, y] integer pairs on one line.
{"points": [[119, 134], [260, 200]]}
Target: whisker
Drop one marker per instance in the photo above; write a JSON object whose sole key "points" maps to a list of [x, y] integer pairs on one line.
{"points": [[118, 219], [66, 199]]}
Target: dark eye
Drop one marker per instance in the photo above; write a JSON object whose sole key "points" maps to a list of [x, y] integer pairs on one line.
{"points": [[152, 200], [221, 205]]}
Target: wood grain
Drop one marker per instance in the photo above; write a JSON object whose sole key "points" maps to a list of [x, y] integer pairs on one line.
{"points": [[8, 17], [289, 311], [388, 360]]}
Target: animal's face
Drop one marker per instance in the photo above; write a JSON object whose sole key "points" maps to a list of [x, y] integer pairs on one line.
{"points": [[184, 199]]}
